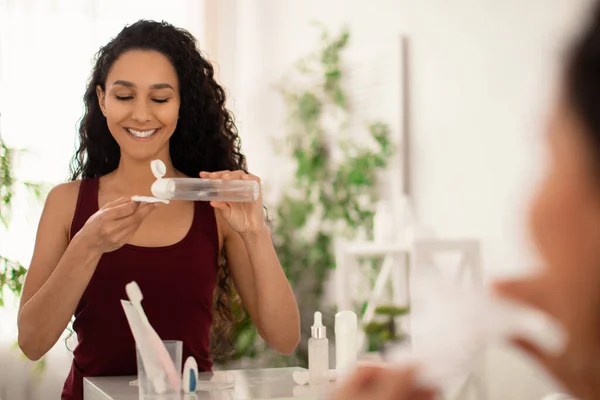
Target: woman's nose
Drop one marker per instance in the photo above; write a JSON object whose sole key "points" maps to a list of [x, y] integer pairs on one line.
{"points": [[141, 112]]}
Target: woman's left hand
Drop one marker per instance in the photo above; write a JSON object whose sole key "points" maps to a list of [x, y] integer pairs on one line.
{"points": [[242, 217]]}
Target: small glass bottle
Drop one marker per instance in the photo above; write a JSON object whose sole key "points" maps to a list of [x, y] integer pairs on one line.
{"points": [[318, 353], [198, 189]]}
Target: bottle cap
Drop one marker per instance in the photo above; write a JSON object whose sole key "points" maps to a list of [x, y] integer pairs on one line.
{"points": [[317, 330], [161, 188], [159, 169]]}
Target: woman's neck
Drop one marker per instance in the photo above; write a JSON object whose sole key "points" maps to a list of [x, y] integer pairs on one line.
{"points": [[136, 177]]}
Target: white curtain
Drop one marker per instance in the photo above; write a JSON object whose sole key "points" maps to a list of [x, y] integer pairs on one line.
{"points": [[46, 54]]}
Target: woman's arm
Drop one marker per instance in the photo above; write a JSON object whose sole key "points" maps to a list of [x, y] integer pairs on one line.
{"points": [[263, 287], [57, 277], [60, 271]]}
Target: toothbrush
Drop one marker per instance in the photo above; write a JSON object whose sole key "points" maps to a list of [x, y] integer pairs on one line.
{"points": [[149, 358], [135, 296]]}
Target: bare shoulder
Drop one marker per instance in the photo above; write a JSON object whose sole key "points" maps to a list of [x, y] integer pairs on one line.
{"points": [[64, 193], [62, 201]]}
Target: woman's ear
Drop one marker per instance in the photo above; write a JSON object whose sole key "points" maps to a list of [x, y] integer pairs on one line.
{"points": [[101, 97]]}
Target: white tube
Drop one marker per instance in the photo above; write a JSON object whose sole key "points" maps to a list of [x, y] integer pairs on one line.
{"points": [[346, 332]]}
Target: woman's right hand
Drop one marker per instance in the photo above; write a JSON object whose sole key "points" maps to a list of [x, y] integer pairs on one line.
{"points": [[113, 225]]}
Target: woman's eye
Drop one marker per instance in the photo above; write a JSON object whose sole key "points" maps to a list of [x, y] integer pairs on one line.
{"points": [[123, 98], [160, 100]]}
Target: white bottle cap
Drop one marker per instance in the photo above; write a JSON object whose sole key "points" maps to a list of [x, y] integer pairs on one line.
{"points": [[159, 169], [161, 188], [317, 330]]}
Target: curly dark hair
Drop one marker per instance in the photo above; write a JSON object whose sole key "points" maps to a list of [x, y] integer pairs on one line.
{"points": [[205, 126], [582, 78]]}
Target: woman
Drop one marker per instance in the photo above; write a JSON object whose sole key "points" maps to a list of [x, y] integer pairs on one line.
{"points": [[565, 224], [151, 96]]}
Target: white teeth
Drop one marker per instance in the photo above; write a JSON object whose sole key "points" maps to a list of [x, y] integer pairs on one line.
{"points": [[141, 134]]}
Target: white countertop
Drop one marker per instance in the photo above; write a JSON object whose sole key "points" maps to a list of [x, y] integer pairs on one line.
{"points": [[272, 383], [507, 375]]}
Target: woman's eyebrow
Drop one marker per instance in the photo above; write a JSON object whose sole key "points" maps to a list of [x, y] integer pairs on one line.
{"points": [[132, 85]]}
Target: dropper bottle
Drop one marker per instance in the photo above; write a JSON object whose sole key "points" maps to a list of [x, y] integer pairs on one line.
{"points": [[199, 189], [318, 352]]}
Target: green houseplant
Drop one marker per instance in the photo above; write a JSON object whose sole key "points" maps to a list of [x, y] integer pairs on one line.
{"points": [[326, 198], [12, 273], [384, 329]]}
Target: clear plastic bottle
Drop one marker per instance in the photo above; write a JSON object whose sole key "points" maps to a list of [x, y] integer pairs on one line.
{"points": [[198, 189], [318, 353]]}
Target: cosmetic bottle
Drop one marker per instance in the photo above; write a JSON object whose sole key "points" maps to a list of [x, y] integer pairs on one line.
{"points": [[318, 352], [199, 189], [346, 332]]}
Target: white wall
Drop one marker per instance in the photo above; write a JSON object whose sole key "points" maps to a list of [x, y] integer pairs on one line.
{"points": [[481, 73]]}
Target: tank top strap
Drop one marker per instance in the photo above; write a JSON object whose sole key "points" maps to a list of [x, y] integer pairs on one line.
{"points": [[87, 203]]}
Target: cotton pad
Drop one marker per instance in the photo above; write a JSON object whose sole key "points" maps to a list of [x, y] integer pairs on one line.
{"points": [[148, 199]]}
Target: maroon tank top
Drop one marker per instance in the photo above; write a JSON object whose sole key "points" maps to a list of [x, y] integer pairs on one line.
{"points": [[177, 282]]}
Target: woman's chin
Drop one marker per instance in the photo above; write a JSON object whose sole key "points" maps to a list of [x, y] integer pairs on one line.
{"points": [[137, 156]]}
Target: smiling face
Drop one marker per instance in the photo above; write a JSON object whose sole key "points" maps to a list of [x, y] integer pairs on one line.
{"points": [[141, 104]]}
